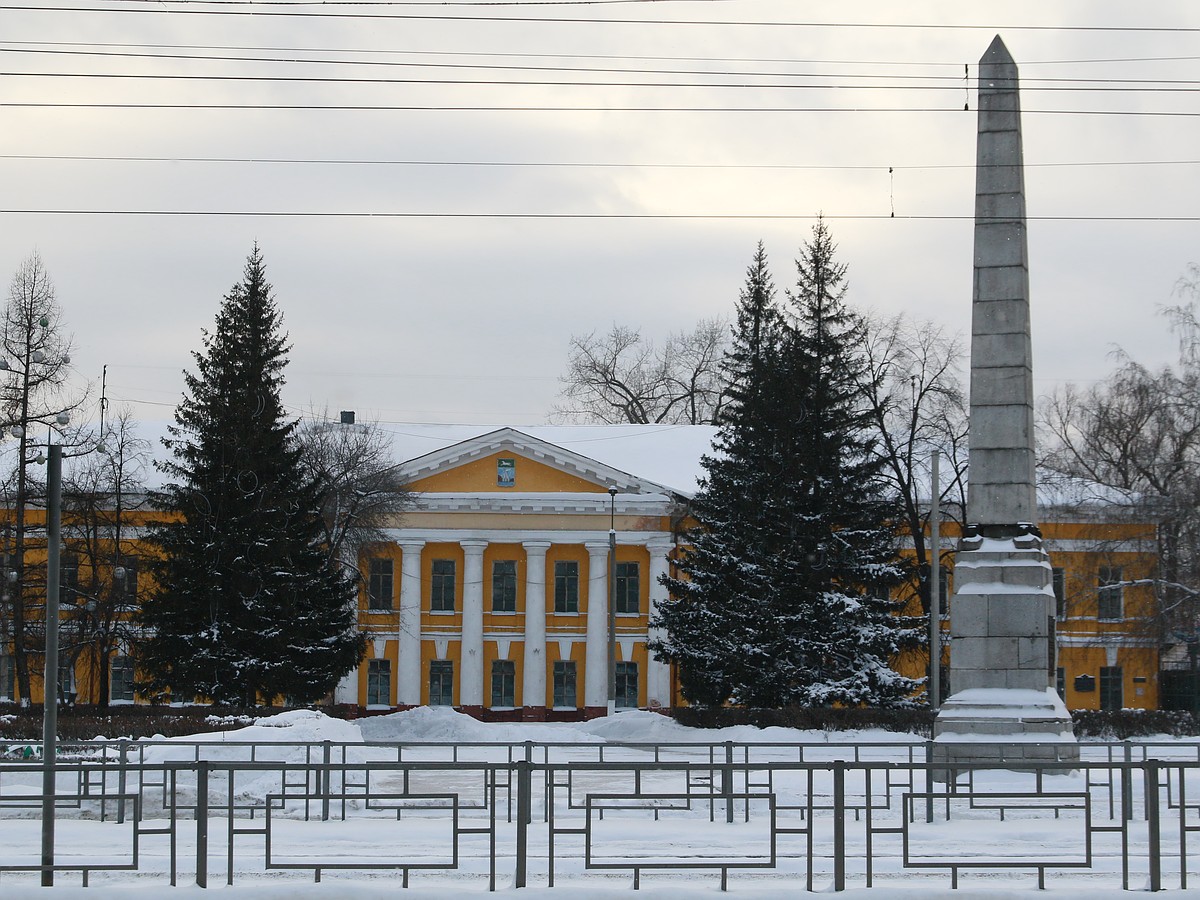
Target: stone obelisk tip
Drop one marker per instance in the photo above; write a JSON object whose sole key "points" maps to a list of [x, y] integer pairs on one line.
{"points": [[997, 53]]}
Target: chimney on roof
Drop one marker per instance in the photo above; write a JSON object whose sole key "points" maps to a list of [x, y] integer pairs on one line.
{"points": [[347, 417]]}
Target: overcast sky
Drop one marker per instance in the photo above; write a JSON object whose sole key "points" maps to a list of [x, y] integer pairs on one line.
{"points": [[414, 283]]}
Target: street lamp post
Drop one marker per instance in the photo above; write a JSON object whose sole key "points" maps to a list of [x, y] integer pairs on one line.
{"points": [[612, 600], [50, 676], [935, 587]]}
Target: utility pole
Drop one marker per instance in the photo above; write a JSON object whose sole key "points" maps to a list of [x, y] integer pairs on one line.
{"points": [[935, 586], [612, 600]]}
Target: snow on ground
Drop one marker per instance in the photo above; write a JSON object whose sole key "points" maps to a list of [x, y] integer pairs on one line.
{"points": [[431, 723], [374, 834]]}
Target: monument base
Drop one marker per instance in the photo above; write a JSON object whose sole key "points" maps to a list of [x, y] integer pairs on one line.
{"points": [[1002, 725]]}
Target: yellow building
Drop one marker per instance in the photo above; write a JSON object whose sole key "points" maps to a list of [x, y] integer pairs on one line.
{"points": [[491, 593], [1106, 622]]}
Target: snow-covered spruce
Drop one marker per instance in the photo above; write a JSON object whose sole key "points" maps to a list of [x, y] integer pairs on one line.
{"points": [[782, 598], [246, 606]]}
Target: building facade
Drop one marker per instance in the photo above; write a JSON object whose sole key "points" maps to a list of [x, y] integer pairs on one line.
{"points": [[491, 593]]}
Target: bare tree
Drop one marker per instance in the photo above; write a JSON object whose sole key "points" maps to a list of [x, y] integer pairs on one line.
{"points": [[913, 386], [99, 568], [1132, 443], [623, 377], [35, 356], [362, 490]]}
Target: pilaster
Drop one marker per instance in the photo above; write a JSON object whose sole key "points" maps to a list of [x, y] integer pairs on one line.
{"points": [[595, 668], [408, 669], [533, 690], [470, 692]]}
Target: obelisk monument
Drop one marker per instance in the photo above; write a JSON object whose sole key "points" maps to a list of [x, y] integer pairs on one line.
{"points": [[1002, 650]]}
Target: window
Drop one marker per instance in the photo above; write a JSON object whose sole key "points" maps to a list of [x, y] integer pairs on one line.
{"points": [[442, 596], [120, 676], [504, 585], [564, 684], [8, 679], [68, 578], [504, 680], [1058, 577], [566, 587], [125, 578], [380, 583], [1111, 693], [627, 685], [379, 682], [628, 587], [441, 682], [1109, 594], [66, 679]]}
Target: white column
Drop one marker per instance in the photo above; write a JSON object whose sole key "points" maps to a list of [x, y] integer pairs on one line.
{"points": [[533, 685], [470, 692], [658, 674], [347, 687], [408, 670], [595, 667]]}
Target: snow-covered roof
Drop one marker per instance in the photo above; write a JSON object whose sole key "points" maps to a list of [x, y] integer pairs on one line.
{"points": [[667, 455]]}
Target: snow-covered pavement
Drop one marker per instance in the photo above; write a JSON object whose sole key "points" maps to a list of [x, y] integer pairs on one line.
{"points": [[595, 795]]}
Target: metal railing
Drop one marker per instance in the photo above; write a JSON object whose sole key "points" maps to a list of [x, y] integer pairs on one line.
{"points": [[539, 813]]}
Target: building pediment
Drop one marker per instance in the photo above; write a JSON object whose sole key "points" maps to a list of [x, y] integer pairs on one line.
{"points": [[507, 459]]}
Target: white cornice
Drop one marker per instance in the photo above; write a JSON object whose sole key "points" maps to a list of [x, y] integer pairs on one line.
{"points": [[660, 539], [656, 504]]}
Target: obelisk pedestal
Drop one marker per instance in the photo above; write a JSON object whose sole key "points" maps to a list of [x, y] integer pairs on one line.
{"points": [[1002, 650]]}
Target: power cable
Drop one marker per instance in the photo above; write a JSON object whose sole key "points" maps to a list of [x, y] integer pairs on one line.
{"points": [[556, 55], [157, 7], [441, 107], [787, 217], [953, 81], [571, 165], [1156, 86]]}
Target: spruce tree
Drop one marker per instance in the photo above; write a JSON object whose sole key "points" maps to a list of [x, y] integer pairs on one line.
{"points": [[777, 602], [245, 605], [843, 517]]}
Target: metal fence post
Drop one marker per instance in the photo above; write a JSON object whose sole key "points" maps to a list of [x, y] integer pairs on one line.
{"points": [[202, 824], [325, 781], [524, 813], [929, 781], [122, 764], [1153, 836], [1127, 784], [839, 825], [727, 781]]}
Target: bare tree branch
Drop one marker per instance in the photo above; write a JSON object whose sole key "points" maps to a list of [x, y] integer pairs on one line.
{"points": [[621, 377]]}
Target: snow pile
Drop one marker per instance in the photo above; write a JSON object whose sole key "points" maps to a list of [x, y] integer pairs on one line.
{"points": [[642, 727], [295, 727], [441, 724]]}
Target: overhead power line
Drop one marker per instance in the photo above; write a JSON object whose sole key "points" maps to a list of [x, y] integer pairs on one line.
{"points": [[329, 214], [1156, 86], [560, 55], [157, 7], [949, 81], [441, 107], [481, 163]]}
